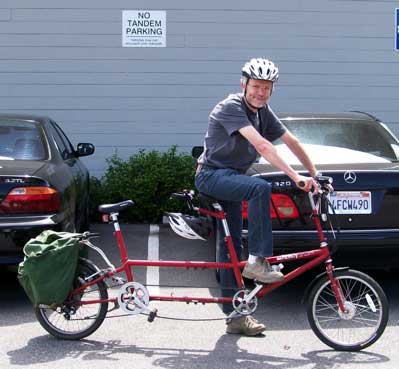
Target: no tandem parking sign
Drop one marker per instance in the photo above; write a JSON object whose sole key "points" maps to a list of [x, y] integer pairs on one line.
{"points": [[144, 28]]}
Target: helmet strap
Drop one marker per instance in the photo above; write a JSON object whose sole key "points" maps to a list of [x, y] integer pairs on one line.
{"points": [[248, 103]]}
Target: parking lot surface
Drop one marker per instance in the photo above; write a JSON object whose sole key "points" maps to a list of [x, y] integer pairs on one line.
{"points": [[185, 336]]}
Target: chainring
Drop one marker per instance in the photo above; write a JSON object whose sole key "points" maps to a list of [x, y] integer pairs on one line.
{"points": [[133, 298], [241, 305]]}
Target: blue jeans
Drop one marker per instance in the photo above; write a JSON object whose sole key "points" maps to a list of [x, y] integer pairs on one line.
{"points": [[231, 188]]}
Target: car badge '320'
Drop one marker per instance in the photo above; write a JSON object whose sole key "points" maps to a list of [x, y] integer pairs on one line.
{"points": [[350, 177]]}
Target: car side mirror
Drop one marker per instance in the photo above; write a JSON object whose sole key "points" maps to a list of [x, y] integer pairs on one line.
{"points": [[84, 149], [196, 151]]}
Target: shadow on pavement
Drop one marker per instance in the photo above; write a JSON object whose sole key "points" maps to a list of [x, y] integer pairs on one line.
{"points": [[226, 353]]}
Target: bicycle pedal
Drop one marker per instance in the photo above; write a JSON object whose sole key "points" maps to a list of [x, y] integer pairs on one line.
{"points": [[152, 315]]}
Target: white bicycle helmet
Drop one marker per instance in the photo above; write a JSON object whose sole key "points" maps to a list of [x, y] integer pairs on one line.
{"points": [[262, 69], [193, 228]]}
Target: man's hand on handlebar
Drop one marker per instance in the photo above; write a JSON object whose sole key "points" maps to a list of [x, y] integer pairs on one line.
{"points": [[307, 183]]}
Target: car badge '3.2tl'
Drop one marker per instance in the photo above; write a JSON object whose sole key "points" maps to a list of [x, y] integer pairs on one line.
{"points": [[350, 177]]}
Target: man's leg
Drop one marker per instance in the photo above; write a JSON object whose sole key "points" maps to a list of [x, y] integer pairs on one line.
{"points": [[229, 185], [226, 186], [260, 236], [236, 323], [228, 282]]}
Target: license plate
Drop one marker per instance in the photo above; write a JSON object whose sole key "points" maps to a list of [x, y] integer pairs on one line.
{"points": [[351, 202]]}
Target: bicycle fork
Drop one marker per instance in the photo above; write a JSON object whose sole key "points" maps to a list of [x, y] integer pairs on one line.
{"points": [[335, 286]]}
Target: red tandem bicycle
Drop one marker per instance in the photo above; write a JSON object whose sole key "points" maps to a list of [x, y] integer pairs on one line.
{"points": [[346, 309]]}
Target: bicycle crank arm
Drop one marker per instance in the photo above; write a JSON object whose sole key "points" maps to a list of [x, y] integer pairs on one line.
{"points": [[151, 313], [253, 293]]}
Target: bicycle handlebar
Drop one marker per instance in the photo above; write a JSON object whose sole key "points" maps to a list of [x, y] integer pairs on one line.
{"points": [[321, 196], [324, 182], [186, 196], [179, 196]]}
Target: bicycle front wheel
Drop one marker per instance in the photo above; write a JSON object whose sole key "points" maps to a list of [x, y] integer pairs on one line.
{"points": [[366, 314], [74, 320]]}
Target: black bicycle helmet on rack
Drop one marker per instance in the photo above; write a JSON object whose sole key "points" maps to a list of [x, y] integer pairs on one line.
{"points": [[187, 226]]}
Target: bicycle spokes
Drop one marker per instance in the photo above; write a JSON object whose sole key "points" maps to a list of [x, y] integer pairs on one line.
{"points": [[363, 318]]}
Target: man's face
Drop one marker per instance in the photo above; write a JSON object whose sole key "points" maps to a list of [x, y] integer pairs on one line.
{"points": [[258, 92]]}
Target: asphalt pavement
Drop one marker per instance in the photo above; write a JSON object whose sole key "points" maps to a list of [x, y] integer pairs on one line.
{"points": [[185, 336]]}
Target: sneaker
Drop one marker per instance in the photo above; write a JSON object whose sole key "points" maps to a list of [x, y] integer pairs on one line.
{"points": [[246, 325], [262, 272]]}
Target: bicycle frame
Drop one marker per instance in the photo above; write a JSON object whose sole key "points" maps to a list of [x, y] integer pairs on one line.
{"points": [[314, 257]]}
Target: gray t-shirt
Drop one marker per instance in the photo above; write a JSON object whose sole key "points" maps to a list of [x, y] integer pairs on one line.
{"points": [[224, 146]]}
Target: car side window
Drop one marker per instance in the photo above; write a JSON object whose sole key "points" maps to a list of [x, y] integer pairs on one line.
{"points": [[63, 144], [64, 138]]}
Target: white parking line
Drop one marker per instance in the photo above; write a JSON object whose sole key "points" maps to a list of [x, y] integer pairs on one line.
{"points": [[153, 254]]}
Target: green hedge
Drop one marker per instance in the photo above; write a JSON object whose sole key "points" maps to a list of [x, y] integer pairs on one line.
{"points": [[148, 178]]}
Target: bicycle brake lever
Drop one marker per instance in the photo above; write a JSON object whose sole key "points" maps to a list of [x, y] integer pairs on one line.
{"points": [[87, 235]]}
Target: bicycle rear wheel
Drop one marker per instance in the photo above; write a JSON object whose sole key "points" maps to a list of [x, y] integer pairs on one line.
{"points": [[363, 322], [72, 320]]}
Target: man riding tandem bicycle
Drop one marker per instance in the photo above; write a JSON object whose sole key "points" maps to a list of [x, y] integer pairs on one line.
{"points": [[347, 309]]}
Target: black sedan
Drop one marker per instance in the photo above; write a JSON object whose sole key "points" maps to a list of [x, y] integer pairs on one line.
{"points": [[43, 184], [361, 155]]}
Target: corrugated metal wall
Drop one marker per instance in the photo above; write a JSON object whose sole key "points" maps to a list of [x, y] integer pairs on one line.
{"points": [[65, 59]]}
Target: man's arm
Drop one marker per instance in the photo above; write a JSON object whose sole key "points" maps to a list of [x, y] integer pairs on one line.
{"points": [[269, 152], [295, 146]]}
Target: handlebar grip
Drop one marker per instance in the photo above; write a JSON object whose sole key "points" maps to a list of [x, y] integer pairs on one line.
{"points": [[301, 184], [178, 196]]}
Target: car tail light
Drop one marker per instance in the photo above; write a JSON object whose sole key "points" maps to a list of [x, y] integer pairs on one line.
{"points": [[31, 200], [281, 206], [245, 209]]}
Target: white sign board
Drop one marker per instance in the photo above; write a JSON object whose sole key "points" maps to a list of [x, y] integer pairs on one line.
{"points": [[144, 28]]}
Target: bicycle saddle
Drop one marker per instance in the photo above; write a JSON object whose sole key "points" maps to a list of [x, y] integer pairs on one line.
{"points": [[206, 201], [115, 208]]}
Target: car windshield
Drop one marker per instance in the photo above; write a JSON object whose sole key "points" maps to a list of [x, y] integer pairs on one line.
{"points": [[21, 140], [368, 137]]}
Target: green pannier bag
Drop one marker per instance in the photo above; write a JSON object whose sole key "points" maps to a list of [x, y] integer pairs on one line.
{"points": [[48, 270]]}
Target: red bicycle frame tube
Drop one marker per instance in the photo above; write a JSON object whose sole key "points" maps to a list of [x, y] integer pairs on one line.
{"points": [[315, 257]]}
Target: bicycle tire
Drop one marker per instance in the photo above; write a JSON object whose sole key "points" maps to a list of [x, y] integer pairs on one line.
{"points": [[367, 308], [73, 321]]}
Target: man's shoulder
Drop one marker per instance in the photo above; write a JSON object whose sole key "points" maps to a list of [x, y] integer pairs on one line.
{"points": [[233, 99], [232, 103]]}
